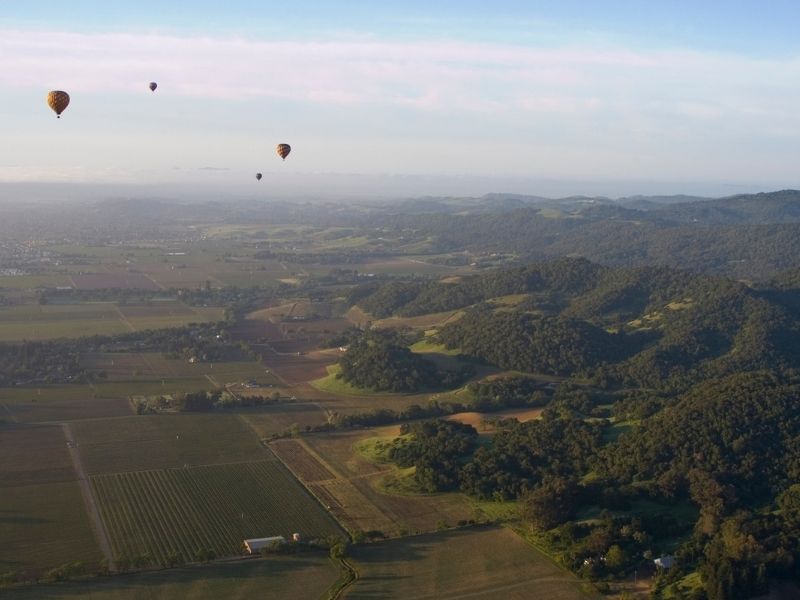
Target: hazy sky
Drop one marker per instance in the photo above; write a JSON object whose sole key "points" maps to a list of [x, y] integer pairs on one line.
{"points": [[665, 95]]}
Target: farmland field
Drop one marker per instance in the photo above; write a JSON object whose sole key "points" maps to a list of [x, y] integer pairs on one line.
{"points": [[281, 417], [150, 366], [164, 441], [44, 522], [483, 564], [121, 280], [348, 484], [59, 403], [39, 322], [216, 507], [275, 578]]}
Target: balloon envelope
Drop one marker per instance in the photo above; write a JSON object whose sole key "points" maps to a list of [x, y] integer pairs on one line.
{"points": [[153, 86], [58, 101], [258, 176], [283, 150]]}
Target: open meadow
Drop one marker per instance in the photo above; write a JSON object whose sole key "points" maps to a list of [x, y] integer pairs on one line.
{"points": [[477, 563]]}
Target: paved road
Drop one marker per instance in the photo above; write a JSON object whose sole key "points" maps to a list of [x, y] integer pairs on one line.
{"points": [[88, 498]]}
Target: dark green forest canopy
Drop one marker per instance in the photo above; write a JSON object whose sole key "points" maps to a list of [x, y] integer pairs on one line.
{"points": [[644, 326], [379, 360]]}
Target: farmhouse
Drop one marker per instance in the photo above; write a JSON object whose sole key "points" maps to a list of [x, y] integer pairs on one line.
{"points": [[255, 545]]}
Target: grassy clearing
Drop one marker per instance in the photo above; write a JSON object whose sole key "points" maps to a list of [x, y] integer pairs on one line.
{"points": [[483, 563], [183, 510], [165, 441], [421, 322], [275, 578], [333, 385]]}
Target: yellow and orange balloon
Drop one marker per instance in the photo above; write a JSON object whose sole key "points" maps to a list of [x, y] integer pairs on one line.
{"points": [[58, 101]]}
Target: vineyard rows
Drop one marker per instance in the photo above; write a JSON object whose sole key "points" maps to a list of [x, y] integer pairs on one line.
{"points": [[215, 507]]}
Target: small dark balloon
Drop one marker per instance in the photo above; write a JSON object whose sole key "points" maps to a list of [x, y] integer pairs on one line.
{"points": [[153, 86], [258, 176], [58, 101]]}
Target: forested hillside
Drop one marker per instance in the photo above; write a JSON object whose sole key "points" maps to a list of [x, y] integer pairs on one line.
{"points": [[650, 327], [681, 390]]}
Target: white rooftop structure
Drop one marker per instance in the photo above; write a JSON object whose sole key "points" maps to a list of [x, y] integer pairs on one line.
{"points": [[255, 545]]}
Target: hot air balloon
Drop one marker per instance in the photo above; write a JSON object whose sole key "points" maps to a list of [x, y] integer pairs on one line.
{"points": [[258, 176], [153, 86], [283, 150], [58, 101]]}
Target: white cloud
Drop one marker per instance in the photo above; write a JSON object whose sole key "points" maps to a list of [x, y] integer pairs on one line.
{"points": [[431, 75], [586, 110]]}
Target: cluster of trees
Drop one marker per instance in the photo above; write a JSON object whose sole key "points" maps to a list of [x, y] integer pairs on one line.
{"points": [[202, 401], [506, 392], [43, 362], [558, 278], [378, 360], [727, 447], [527, 342], [650, 327], [435, 449]]}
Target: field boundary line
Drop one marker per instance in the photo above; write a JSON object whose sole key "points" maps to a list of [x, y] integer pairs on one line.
{"points": [[160, 287], [319, 459], [100, 531], [123, 318]]}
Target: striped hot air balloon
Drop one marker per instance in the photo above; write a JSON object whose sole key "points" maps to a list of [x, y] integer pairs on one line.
{"points": [[283, 150], [58, 101]]}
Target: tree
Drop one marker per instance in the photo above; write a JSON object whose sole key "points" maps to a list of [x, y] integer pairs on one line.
{"points": [[551, 503]]}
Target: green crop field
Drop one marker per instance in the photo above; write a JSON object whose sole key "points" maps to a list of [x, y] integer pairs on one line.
{"points": [[275, 578], [43, 521], [216, 507], [162, 441], [483, 563]]}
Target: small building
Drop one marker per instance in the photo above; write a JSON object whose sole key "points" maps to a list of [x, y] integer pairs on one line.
{"points": [[254, 545], [665, 562]]}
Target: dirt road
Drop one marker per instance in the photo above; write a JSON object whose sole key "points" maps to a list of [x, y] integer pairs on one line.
{"points": [[88, 498]]}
